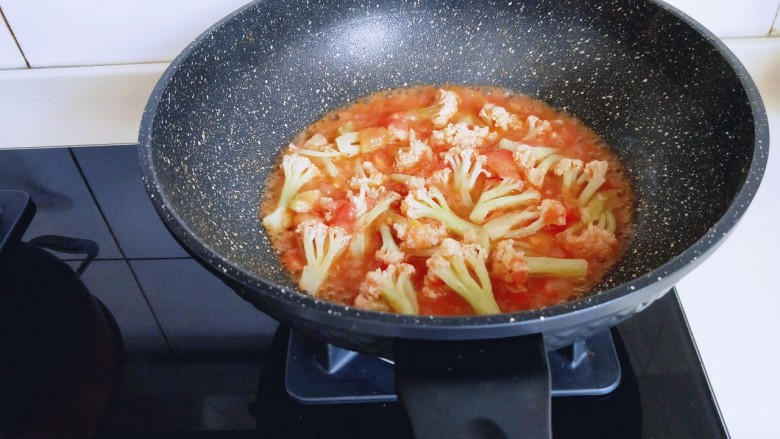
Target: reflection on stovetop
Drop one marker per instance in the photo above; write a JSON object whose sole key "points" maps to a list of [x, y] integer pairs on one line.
{"points": [[195, 349]]}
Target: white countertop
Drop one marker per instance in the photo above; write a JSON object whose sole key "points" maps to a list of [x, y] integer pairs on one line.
{"points": [[730, 300]]}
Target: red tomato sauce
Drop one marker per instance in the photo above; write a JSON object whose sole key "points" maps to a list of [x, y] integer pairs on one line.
{"points": [[378, 119]]}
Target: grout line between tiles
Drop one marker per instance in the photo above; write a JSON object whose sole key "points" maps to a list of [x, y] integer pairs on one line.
{"points": [[124, 257], [13, 35]]}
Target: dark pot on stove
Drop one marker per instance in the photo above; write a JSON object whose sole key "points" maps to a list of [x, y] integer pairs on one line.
{"points": [[676, 106], [61, 352]]}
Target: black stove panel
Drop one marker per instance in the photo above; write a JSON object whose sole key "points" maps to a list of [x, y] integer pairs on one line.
{"points": [[194, 348]]}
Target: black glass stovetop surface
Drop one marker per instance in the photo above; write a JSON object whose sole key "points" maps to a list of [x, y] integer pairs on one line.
{"points": [[663, 392], [195, 350]]}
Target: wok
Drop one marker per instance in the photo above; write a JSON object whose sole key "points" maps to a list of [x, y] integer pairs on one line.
{"points": [[673, 102]]}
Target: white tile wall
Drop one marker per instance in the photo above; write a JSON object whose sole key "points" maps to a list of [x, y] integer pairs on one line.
{"points": [[729, 18], [97, 32], [776, 27], [10, 57], [74, 105]]}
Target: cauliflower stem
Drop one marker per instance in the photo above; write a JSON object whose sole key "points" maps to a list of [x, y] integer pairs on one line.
{"points": [[394, 285], [498, 197], [430, 203], [510, 264], [298, 171], [549, 212], [560, 267], [358, 245], [462, 268], [322, 244]]}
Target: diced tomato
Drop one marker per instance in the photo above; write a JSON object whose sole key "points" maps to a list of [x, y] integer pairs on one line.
{"points": [[381, 158], [342, 213], [500, 161], [572, 216], [373, 138]]}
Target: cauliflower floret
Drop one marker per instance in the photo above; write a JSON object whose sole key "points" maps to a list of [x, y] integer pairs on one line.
{"points": [[358, 246], [368, 179], [439, 113], [447, 103], [511, 265], [503, 195], [549, 212], [536, 127], [508, 264], [585, 179], [534, 161], [298, 170], [349, 143], [569, 170], [466, 165], [322, 245], [412, 155], [398, 132], [317, 146], [463, 135], [430, 203], [389, 253], [587, 241], [500, 118], [417, 235], [462, 267], [441, 177], [392, 285], [359, 201], [410, 181], [595, 173], [594, 235]]}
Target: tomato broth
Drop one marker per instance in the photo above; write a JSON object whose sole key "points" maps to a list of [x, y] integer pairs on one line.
{"points": [[448, 201]]}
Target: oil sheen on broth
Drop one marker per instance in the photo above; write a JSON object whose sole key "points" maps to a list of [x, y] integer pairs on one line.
{"points": [[448, 201]]}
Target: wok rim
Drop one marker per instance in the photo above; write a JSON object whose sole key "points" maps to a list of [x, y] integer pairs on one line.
{"points": [[651, 285]]}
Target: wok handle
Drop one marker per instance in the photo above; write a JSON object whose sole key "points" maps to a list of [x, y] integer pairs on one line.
{"points": [[476, 389]]}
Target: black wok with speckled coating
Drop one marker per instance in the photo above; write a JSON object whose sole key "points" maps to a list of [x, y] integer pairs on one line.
{"points": [[674, 103]]}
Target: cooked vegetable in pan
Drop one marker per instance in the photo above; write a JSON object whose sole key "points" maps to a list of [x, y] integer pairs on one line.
{"points": [[448, 201]]}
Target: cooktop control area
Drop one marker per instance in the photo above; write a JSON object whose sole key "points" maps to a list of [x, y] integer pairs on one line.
{"points": [[201, 361]]}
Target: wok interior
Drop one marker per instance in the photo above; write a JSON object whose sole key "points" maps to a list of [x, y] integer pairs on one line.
{"points": [[652, 87]]}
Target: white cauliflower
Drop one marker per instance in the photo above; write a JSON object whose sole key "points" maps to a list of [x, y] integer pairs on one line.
{"points": [[511, 265], [499, 117], [368, 179], [466, 165], [536, 127], [392, 285], [410, 181], [389, 253], [413, 154], [298, 170], [322, 245], [417, 235], [463, 135], [430, 203], [534, 161], [462, 267]]}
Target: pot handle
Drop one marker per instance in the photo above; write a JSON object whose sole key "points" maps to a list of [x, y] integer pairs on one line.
{"points": [[67, 244], [476, 389]]}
